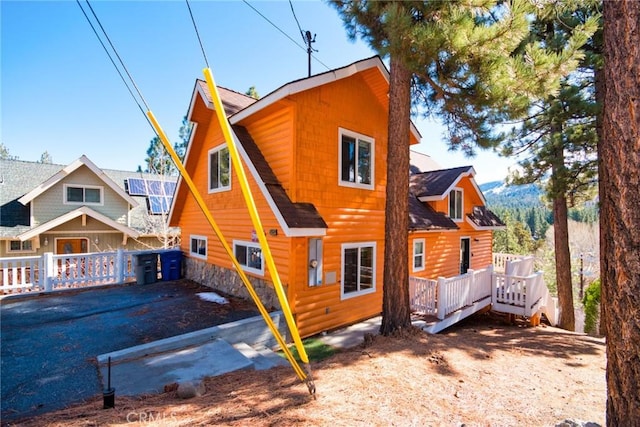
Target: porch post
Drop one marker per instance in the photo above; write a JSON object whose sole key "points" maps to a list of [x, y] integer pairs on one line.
{"points": [[47, 271], [120, 265], [441, 302]]}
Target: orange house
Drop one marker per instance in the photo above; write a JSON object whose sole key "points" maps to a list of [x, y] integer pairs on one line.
{"points": [[315, 154], [450, 229]]}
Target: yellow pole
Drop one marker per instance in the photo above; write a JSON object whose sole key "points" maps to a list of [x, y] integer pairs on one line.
{"points": [[201, 203], [253, 213]]}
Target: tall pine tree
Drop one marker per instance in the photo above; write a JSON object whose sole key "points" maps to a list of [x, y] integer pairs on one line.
{"points": [[469, 63]]}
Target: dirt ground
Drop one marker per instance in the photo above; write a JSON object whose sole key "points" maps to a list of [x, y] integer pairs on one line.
{"points": [[483, 372]]}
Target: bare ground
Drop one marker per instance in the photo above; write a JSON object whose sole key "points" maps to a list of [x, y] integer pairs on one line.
{"points": [[483, 372]]}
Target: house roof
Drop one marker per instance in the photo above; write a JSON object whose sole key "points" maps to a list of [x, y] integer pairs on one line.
{"points": [[420, 162], [483, 219], [436, 185], [238, 106], [84, 210], [423, 217], [19, 178], [294, 215]]}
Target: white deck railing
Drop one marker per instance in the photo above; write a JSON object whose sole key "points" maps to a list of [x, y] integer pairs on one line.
{"points": [[522, 294], [51, 272]]}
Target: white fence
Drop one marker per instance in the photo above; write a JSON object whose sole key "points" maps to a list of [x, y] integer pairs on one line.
{"points": [[422, 293], [461, 291], [51, 272]]}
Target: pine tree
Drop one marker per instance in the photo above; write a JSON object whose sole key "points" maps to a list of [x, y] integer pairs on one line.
{"points": [[560, 137], [472, 66]]}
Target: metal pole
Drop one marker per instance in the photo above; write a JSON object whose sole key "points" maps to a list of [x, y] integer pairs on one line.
{"points": [[581, 276]]}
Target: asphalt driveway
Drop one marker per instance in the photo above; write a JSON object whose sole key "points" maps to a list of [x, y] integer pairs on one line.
{"points": [[49, 343]]}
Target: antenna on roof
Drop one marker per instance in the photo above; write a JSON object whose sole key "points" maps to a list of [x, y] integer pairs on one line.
{"points": [[308, 40]]}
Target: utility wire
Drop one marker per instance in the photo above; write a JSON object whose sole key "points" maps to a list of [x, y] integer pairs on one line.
{"points": [[118, 56], [297, 22], [110, 57], [285, 34], [206, 61]]}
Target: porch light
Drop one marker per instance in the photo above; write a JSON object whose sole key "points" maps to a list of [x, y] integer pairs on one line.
{"points": [[46, 241], [96, 241]]}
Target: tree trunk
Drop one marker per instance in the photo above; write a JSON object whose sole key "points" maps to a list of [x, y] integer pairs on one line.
{"points": [[620, 209], [563, 262], [599, 94], [396, 310]]}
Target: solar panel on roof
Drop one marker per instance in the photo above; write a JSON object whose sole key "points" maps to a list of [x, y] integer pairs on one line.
{"points": [[169, 188], [154, 187], [137, 187], [159, 204]]}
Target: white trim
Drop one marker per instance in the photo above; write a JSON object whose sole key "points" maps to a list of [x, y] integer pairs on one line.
{"points": [[194, 126], [82, 160], [66, 201], [343, 295], [21, 251], [248, 245], [84, 210], [423, 255], [206, 246], [221, 188], [358, 137], [460, 257], [470, 173]]}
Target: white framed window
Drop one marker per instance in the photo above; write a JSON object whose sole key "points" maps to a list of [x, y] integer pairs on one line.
{"points": [[249, 255], [198, 246], [219, 169], [418, 254], [456, 207], [356, 160], [20, 246], [358, 269], [82, 194]]}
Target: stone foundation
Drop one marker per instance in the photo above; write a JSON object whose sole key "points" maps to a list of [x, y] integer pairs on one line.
{"points": [[229, 282]]}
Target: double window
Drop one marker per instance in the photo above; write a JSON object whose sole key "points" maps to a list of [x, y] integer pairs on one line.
{"points": [[249, 255], [82, 195], [219, 169], [358, 269], [455, 204], [21, 246], [198, 247], [356, 160], [418, 254]]}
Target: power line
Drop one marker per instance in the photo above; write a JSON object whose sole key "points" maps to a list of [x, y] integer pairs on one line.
{"points": [[285, 34], [195, 27], [306, 37], [296, 18]]}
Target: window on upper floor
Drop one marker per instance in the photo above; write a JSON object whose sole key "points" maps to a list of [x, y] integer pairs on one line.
{"points": [[20, 246], [358, 269], [82, 194], [198, 247], [249, 255], [356, 161], [418, 254], [219, 169], [455, 204]]}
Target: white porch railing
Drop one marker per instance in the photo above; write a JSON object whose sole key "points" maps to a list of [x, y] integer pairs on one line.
{"points": [[51, 272], [511, 292], [500, 261]]}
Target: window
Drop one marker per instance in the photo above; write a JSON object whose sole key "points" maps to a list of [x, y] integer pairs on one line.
{"points": [[356, 160], [249, 255], [219, 169], [82, 194], [358, 269], [455, 205], [21, 246], [198, 247], [418, 255]]}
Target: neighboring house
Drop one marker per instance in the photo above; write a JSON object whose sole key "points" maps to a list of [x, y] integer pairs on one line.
{"points": [[80, 208], [315, 154]]}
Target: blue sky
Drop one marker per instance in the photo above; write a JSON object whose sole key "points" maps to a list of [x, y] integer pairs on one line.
{"points": [[61, 94]]}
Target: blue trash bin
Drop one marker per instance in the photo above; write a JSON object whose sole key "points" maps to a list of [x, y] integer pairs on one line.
{"points": [[171, 265]]}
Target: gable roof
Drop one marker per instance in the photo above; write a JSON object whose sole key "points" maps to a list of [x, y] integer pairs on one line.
{"points": [[483, 219], [239, 107], [423, 217], [436, 185], [67, 170], [83, 210], [290, 215]]}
